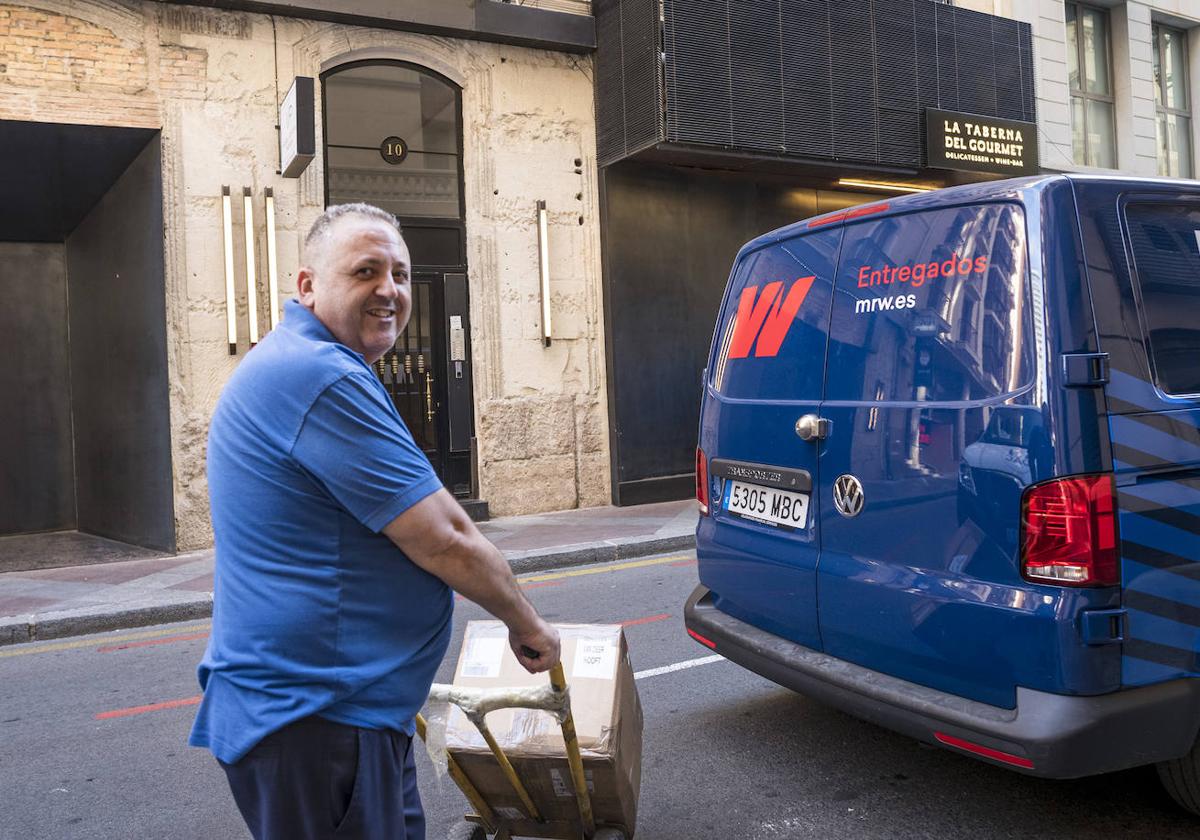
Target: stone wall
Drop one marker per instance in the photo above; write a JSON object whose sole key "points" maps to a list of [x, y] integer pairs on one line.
{"points": [[209, 80]]}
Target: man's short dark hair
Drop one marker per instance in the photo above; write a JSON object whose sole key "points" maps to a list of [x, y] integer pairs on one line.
{"points": [[318, 234]]}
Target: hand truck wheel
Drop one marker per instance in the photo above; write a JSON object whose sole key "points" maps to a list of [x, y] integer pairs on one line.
{"points": [[466, 831], [609, 834]]}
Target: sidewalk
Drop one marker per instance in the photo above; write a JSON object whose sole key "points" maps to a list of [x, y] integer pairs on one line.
{"points": [[70, 600]]}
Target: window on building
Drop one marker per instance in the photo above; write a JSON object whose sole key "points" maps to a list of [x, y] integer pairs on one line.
{"points": [[1166, 254], [1171, 102], [392, 139], [1092, 124]]}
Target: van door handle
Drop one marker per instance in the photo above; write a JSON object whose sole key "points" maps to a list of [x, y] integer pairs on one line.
{"points": [[812, 427]]}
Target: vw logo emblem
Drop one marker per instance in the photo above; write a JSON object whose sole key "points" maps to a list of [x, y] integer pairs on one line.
{"points": [[848, 495]]}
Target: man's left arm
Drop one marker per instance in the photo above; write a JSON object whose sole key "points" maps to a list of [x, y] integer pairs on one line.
{"points": [[438, 536]]}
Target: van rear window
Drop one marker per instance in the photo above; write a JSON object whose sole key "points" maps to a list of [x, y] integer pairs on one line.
{"points": [[932, 306], [1165, 238], [772, 334]]}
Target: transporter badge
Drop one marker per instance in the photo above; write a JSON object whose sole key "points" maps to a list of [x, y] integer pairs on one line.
{"points": [[848, 496]]}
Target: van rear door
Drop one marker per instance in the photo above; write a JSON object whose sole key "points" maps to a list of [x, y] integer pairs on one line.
{"points": [[1143, 250], [936, 431], [758, 549]]}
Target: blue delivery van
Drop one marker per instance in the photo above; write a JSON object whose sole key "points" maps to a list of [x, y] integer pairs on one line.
{"points": [[949, 471]]}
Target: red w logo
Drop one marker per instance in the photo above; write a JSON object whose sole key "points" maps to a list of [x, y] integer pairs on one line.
{"points": [[768, 318]]}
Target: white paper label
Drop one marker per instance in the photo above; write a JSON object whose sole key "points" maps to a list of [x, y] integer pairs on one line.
{"points": [[595, 658], [483, 657], [562, 783]]}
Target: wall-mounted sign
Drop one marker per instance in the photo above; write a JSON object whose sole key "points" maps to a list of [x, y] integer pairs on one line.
{"points": [[980, 144], [297, 128], [393, 150]]}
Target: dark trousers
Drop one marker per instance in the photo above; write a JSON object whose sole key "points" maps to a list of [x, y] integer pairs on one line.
{"points": [[320, 780]]}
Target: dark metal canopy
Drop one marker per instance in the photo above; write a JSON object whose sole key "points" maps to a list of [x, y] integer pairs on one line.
{"points": [[52, 174], [480, 20], [761, 84]]}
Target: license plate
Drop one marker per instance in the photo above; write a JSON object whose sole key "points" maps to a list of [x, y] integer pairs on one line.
{"points": [[766, 504]]}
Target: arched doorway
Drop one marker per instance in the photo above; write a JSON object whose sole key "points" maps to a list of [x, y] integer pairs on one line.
{"points": [[393, 138]]}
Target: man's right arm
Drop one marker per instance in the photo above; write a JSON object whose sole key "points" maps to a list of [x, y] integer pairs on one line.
{"points": [[438, 536]]}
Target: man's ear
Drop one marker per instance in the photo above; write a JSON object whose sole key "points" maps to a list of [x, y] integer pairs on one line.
{"points": [[304, 287]]}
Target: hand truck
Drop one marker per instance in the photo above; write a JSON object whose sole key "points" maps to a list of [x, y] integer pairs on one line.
{"points": [[475, 704]]}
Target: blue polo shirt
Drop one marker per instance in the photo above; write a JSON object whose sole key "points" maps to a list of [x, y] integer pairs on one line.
{"points": [[314, 610]]}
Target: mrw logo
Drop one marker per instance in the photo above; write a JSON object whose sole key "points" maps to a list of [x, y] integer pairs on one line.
{"points": [[767, 317]]}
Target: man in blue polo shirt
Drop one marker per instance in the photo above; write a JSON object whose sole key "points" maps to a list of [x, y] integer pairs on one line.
{"points": [[336, 552]]}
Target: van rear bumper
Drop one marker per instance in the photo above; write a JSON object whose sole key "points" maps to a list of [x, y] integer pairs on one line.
{"points": [[1057, 736]]}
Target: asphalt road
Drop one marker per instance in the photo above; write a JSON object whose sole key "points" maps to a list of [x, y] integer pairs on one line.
{"points": [[93, 732]]}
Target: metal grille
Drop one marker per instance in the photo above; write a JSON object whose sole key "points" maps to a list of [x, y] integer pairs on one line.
{"points": [[807, 73], [897, 85], [629, 87], [699, 104], [834, 79], [756, 87], [642, 40], [610, 83]]}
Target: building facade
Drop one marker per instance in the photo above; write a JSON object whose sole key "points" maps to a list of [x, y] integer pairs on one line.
{"points": [[143, 166], [1115, 82], [574, 179]]}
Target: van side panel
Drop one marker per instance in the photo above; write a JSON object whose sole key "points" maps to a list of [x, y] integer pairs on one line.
{"points": [[1160, 526], [1079, 426], [946, 411], [1155, 436]]}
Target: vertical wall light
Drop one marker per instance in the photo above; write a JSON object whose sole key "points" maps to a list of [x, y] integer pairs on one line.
{"points": [[544, 270], [230, 303], [272, 261], [251, 281]]}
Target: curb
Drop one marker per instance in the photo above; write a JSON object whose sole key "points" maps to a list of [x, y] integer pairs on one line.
{"points": [[609, 551], [32, 628], [22, 629]]}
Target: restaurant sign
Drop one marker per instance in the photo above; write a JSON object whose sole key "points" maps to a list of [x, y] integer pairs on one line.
{"points": [[980, 144]]}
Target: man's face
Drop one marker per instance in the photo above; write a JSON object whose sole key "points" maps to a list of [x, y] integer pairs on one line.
{"points": [[360, 287]]}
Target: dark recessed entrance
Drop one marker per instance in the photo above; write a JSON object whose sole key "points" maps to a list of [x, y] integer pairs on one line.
{"points": [[85, 444], [393, 138]]}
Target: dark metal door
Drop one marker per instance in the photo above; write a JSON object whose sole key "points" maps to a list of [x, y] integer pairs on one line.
{"points": [[369, 109], [413, 371]]}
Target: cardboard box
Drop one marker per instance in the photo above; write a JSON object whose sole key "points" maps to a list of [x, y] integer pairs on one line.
{"points": [[608, 720]]}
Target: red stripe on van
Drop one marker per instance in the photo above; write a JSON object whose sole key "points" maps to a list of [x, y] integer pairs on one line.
{"points": [[852, 213], [987, 752]]}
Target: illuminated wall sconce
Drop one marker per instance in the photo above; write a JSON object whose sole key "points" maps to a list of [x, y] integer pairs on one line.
{"points": [[272, 260], [230, 302], [544, 270], [251, 280]]}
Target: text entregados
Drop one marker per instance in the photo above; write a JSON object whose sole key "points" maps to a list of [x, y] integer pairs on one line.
{"points": [[916, 275]]}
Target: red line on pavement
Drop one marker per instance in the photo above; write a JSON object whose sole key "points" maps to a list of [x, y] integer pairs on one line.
{"points": [[646, 620], [148, 642], [153, 707], [691, 562]]}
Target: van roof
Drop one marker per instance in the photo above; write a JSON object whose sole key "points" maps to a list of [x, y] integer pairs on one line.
{"points": [[1014, 189]]}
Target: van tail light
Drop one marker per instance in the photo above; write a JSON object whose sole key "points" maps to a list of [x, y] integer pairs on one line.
{"points": [[1069, 532], [702, 481]]}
